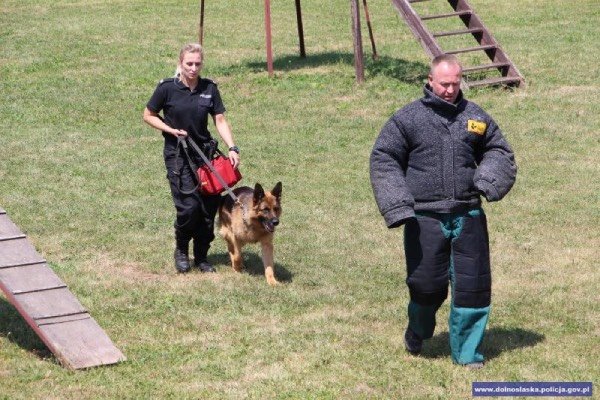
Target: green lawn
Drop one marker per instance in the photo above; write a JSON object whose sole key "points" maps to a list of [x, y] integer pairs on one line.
{"points": [[83, 177]]}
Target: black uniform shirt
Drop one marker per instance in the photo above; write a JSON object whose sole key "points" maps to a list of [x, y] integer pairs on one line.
{"points": [[185, 109]]}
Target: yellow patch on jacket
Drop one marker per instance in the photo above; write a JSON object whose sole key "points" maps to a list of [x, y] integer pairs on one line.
{"points": [[476, 127]]}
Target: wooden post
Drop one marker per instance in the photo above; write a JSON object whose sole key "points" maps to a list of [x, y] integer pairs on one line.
{"points": [[370, 30], [201, 29], [268, 37], [300, 29], [358, 50]]}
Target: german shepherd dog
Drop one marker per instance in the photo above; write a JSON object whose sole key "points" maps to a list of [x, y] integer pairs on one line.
{"points": [[253, 219]]}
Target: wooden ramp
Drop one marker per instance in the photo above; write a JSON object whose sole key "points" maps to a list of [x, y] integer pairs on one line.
{"points": [[48, 306], [471, 26]]}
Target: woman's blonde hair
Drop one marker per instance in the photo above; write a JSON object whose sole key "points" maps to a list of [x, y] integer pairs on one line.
{"points": [[189, 48]]}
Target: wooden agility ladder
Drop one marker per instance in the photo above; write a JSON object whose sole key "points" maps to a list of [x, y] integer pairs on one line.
{"points": [[499, 61]]}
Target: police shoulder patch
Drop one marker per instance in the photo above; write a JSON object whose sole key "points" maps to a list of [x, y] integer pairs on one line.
{"points": [[476, 127], [166, 80]]}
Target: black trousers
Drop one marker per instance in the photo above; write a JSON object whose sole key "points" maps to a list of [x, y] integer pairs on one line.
{"points": [[195, 217], [439, 247], [450, 248]]}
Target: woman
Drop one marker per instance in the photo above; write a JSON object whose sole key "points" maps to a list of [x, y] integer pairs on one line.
{"points": [[186, 101]]}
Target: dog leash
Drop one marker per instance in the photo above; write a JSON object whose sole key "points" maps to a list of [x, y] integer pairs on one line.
{"points": [[183, 141]]}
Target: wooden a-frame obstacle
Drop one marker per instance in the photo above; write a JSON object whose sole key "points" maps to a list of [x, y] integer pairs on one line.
{"points": [[48, 306]]}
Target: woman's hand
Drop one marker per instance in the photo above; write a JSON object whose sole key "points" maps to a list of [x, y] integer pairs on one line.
{"points": [[179, 132], [234, 158]]}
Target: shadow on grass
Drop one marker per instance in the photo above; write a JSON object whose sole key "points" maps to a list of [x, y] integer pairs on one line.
{"points": [[16, 330], [406, 71], [253, 265], [495, 342]]}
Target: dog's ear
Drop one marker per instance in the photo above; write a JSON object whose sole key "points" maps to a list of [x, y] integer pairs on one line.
{"points": [[259, 193], [277, 191]]}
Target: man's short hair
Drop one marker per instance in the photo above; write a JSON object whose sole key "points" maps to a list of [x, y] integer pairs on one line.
{"points": [[444, 58]]}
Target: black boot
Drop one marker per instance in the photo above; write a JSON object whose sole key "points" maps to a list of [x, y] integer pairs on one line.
{"points": [[182, 261], [412, 342], [200, 255]]}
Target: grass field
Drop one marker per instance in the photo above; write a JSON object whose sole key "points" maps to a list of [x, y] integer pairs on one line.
{"points": [[83, 177]]}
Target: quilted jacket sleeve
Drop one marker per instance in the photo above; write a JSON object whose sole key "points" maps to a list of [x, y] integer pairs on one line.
{"points": [[387, 171]]}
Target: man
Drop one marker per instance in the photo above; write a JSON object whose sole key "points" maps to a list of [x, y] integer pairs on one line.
{"points": [[430, 165]]}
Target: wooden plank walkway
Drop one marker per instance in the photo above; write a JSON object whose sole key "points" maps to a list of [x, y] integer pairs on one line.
{"points": [[47, 304]]}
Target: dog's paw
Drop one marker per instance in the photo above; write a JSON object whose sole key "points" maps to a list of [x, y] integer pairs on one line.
{"points": [[238, 268], [272, 281]]}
